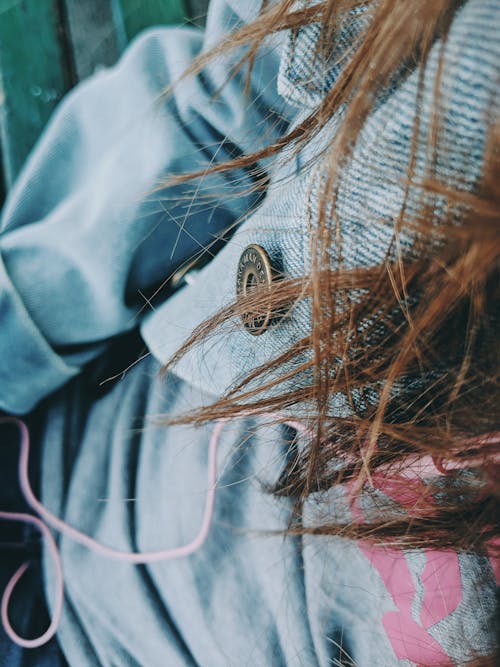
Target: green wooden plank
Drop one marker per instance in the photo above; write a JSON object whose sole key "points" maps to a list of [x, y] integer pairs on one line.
{"points": [[34, 75], [196, 11], [140, 14], [94, 38]]}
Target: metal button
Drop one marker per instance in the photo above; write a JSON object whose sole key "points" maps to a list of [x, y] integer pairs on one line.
{"points": [[254, 271]]}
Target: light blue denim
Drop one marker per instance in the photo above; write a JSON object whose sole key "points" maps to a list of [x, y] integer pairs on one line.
{"points": [[87, 232]]}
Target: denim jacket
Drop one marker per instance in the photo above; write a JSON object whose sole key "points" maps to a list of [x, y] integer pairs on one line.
{"points": [[82, 242], [87, 233]]}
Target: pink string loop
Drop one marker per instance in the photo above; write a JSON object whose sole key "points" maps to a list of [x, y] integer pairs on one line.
{"points": [[59, 594], [48, 519]]}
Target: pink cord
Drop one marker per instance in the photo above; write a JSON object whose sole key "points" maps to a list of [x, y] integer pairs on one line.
{"points": [[49, 519], [51, 630]]}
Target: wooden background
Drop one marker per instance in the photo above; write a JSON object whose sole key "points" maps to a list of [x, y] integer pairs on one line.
{"points": [[47, 46]]}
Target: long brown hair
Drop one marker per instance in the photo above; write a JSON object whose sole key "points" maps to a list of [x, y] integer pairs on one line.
{"points": [[409, 343]]}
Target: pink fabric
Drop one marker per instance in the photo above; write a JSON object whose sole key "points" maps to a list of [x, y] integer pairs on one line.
{"points": [[410, 641], [440, 579], [442, 586]]}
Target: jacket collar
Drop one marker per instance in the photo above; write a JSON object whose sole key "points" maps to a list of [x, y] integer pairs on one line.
{"points": [[219, 362], [305, 76]]}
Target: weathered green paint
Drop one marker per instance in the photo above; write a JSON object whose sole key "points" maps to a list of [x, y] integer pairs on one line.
{"points": [[92, 35], [34, 74], [140, 14]]}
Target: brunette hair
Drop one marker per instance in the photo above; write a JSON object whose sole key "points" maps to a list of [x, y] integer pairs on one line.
{"points": [[409, 343]]}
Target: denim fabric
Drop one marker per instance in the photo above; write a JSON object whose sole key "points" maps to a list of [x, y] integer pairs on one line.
{"points": [[370, 197], [81, 244], [305, 77]]}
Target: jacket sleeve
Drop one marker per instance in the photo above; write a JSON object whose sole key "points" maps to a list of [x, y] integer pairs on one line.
{"points": [[85, 229]]}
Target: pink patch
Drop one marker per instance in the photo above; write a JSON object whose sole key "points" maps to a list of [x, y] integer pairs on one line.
{"points": [[442, 586], [441, 582], [409, 640], [412, 642], [406, 493], [393, 570]]}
